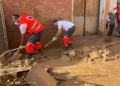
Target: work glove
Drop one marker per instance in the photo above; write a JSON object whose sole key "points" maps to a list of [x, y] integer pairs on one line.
{"points": [[54, 38], [20, 47], [116, 25], [109, 21]]}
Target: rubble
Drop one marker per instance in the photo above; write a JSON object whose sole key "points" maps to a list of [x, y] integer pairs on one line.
{"points": [[12, 70], [21, 68], [90, 54]]}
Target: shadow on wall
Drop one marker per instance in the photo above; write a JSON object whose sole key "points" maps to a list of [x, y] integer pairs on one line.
{"points": [[43, 11], [49, 29]]}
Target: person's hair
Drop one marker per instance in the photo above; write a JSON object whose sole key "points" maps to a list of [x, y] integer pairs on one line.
{"points": [[54, 21], [15, 16], [115, 9]]}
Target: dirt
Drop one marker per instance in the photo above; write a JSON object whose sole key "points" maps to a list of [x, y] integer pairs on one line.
{"points": [[87, 63]]}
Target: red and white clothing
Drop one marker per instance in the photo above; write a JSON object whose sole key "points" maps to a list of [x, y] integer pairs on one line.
{"points": [[23, 28], [69, 27], [66, 25], [30, 23], [118, 12], [32, 27]]}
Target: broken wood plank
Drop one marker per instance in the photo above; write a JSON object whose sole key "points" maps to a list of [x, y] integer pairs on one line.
{"points": [[15, 70], [4, 61], [40, 76]]}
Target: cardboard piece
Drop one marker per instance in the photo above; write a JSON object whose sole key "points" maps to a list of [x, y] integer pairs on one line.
{"points": [[39, 77]]}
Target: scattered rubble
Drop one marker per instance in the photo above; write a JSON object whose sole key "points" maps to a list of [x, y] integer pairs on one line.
{"points": [[90, 54]]}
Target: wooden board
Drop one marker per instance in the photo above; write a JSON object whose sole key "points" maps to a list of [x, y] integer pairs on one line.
{"points": [[39, 77], [3, 61], [78, 16], [92, 8], [13, 71], [92, 16], [78, 8], [3, 35]]}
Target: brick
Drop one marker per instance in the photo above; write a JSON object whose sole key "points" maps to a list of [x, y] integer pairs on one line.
{"points": [[46, 9]]}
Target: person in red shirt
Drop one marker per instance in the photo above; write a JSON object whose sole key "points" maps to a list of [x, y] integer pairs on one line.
{"points": [[118, 18], [30, 26]]}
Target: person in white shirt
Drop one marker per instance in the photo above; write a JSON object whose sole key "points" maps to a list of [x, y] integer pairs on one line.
{"points": [[69, 27]]}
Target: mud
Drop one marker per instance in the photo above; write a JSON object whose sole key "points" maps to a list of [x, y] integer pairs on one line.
{"points": [[89, 62]]}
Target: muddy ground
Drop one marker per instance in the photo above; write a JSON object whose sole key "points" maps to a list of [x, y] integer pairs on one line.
{"points": [[89, 62], [97, 66]]}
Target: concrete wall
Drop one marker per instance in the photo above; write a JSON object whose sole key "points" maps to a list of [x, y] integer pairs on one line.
{"points": [[92, 16], [47, 10], [78, 16], [86, 16], [44, 10]]}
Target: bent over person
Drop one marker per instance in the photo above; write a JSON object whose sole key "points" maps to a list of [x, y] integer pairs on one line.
{"points": [[30, 26], [69, 27]]}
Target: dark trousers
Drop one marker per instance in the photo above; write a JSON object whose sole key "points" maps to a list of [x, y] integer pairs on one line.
{"points": [[118, 26], [70, 32], [111, 28], [35, 37]]}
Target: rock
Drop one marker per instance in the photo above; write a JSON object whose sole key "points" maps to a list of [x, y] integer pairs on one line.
{"points": [[112, 58], [100, 51], [91, 61], [117, 56], [86, 59], [105, 58], [72, 53], [86, 49], [106, 52], [94, 55]]}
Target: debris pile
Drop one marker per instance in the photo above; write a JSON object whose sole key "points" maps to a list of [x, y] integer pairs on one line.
{"points": [[90, 54], [26, 73], [9, 74]]}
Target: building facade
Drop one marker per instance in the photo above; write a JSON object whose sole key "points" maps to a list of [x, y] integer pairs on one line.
{"points": [[89, 16]]}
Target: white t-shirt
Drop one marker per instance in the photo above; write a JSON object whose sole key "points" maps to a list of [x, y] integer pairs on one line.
{"points": [[66, 25], [23, 28]]}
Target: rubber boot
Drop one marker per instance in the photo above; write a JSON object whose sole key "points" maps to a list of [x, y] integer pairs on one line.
{"points": [[66, 40], [70, 41], [69, 44], [28, 56], [40, 51], [65, 47]]}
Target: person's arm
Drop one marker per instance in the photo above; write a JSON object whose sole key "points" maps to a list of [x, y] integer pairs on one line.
{"points": [[23, 39], [116, 24], [108, 17], [58, 33], [23, 33]]}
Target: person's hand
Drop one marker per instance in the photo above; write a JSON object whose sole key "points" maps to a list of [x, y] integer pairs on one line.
{"points": [[108, 20], [54, 38], [116, 25], [20, 47]]}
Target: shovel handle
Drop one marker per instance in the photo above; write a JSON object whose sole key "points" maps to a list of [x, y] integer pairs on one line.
{"points": [[48, 43], [11, 51]]}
